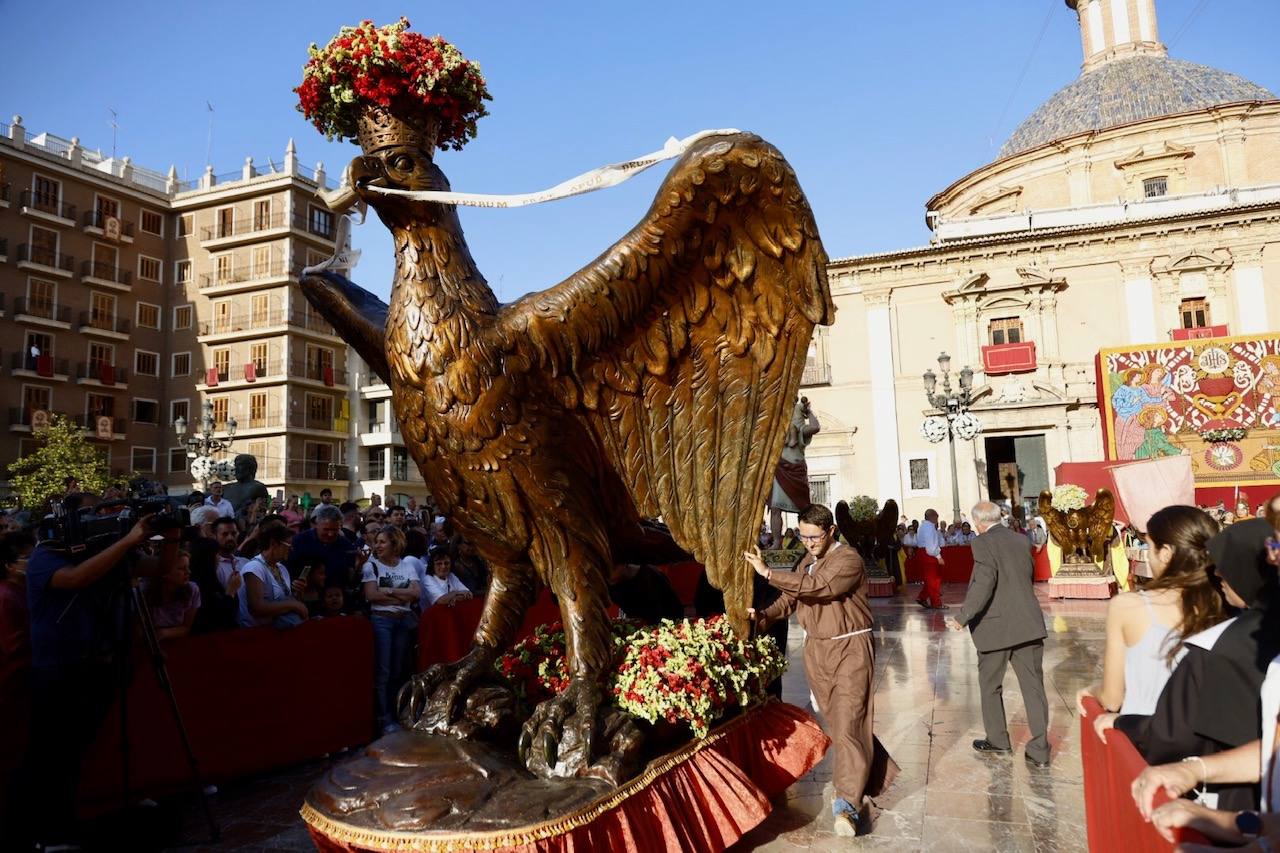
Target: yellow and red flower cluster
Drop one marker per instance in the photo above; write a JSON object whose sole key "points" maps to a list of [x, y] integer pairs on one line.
{"points": [[692, 671], [391, 67]]}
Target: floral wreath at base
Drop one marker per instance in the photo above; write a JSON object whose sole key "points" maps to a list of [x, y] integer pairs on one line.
{"points": [[689, 672], [406, 72]]}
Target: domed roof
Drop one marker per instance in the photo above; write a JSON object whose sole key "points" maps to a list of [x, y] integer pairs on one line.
{"points": [[1126, 90]]}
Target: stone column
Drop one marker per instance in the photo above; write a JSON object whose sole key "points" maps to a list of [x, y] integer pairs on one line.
{"points": [[1138, 302], [1251, 296], [884, 406]]}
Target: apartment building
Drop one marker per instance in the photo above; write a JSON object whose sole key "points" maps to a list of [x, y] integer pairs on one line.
{"points": [[128, 298], [379, 461]]}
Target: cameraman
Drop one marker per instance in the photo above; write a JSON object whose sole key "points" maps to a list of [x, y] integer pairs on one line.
{"points": [[78, 630]]}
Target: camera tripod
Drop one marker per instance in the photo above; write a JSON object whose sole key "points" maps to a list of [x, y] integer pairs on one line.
{"points": [[138, 606]]}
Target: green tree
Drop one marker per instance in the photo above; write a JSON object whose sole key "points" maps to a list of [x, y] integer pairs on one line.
{"points": [[63, 452]]}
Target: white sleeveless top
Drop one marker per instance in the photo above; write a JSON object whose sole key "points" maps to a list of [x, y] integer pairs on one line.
{"points": [[1146, 667]]}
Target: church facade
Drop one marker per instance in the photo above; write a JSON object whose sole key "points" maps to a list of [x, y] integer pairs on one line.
{"points": [[1138, 205]]}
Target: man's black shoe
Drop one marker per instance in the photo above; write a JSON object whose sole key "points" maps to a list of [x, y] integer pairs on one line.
{"points": [[985, 745], [922, 603], [1033, 762]]}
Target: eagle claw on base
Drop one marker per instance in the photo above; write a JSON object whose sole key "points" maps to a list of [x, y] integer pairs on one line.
{"points": [[459, 698], [562, 736]]}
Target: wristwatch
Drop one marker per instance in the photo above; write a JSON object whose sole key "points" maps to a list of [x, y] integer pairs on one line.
{"points": [[1249, 824]]}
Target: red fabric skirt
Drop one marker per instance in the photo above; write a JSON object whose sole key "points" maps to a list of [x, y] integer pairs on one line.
{"points": [[703, 797]]}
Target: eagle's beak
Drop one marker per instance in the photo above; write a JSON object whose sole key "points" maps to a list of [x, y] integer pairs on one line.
{"points": [[359, 173]]}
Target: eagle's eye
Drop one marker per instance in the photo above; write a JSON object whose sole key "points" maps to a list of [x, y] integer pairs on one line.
{"points": [[402, 163]]}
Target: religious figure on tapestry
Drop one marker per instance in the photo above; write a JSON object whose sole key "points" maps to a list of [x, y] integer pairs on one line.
{"points": [[658, 381], [790, 492]]}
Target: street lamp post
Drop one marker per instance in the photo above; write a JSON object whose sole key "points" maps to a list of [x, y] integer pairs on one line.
{"points": [[955, 421], [203, 444]]}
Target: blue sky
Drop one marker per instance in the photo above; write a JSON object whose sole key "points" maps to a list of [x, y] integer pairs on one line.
{"points": [[877, 105]]}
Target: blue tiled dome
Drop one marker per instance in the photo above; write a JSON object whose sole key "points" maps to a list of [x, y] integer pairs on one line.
{"points": [[1128, 90]]}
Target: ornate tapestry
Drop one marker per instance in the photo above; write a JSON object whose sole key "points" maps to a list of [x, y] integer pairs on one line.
{"points": [[1216, 399]]}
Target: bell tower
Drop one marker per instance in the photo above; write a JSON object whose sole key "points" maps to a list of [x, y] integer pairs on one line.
{"points": [[1116, 29]]}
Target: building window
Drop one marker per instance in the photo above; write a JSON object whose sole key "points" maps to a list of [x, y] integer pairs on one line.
{"points": [[144, 460], [182, 272], [377, 463], [38, 344], [105, 261], [181, 364], [47, 192], [226, 222], [820, 490], [259, 309], [222, 316], [260, 261], [320, 410], [222, 363], [101, 355], [102, 311], [35, 398], [148, 268], [153, 223], [186, 224], [221, 406], [177, 459], [99, 405], [44, 246], [182, 316], [179, 409], [1155, 187], [42, 298], [1005, 330], [146, 411], [146, 363], [918, 470], [258, 410], [262, 214], [320, 222], [258, 357], [1194, 313], [222, 266], [148, 315]]}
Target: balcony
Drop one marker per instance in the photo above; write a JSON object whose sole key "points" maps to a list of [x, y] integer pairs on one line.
{"points": [[99, 224], [97, 373], [38, 312], [316, 469], [21, 417], [261, 420], [1198, 334], [241, 230], [250, 326], [312, 228], [96, 428], [47, 208], [369, 379], [815, 374], [247, 373], [1019, 357], [104, 326], [39, 367], [312, 323], [247, 277], [323, 373], [332, 423], [45, 260], [105, 275]]}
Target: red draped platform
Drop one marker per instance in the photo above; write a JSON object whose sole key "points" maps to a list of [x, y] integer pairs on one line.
{"points": [[703, 797], [958, 567], [1113, 820]]}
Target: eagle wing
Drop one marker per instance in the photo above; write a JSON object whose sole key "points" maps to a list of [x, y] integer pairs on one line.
{"points": [[1101, 514], [359, 317], [1056, 522], [682, 346]]}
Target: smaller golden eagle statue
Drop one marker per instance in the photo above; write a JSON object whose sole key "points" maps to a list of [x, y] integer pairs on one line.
{"points": [[1082, 533]]}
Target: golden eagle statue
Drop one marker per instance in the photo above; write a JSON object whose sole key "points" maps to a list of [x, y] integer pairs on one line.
{"points": [[655, 382], [1083, 533]]}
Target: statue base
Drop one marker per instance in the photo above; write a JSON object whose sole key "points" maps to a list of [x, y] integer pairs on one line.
{"points": [[416, 792], [1081, 585]]}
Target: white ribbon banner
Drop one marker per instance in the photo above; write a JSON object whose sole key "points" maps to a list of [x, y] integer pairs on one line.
{"points": [[597, 179]]}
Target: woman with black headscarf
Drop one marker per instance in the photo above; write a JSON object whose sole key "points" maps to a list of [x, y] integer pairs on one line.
{"points": [[1211, 703]]}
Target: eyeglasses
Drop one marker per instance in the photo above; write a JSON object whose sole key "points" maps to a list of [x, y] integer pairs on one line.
{"points": [[817, 537]]}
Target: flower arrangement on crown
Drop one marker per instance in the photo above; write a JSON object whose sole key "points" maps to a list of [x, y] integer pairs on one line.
{"points": [[689, 672], [863, 508], [1069, 496], [389, 67]]}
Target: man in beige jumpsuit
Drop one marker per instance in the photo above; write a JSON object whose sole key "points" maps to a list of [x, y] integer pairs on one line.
{"points": [[828, 593]]}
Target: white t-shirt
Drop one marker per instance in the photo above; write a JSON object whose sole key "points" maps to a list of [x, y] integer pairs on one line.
{"points": [[400, 576], [271, 590], [433, 588], [223, 506]]}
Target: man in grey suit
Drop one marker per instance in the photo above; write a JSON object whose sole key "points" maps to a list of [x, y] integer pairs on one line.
{"points": [[1007, 624]]}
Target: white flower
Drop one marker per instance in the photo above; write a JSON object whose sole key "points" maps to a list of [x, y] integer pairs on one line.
{"points": [[1069, 496]]}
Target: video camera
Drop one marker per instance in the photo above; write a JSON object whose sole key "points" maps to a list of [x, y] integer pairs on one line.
{"points": [[86, 530]]}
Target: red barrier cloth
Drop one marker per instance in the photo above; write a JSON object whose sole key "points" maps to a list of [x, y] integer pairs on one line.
{"points": [[1111, 816], [1041, 558], [252, 699], [703, 797], [958, 567]]}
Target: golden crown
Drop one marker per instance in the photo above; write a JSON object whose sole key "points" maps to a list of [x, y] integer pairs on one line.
{"points": [[378, 128]]}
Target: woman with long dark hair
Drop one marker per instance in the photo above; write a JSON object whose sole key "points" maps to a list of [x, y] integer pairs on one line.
{"points": [[1146, 629]]}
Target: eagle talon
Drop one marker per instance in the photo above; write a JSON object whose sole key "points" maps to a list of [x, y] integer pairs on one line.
{"points": [[424, 706]]}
